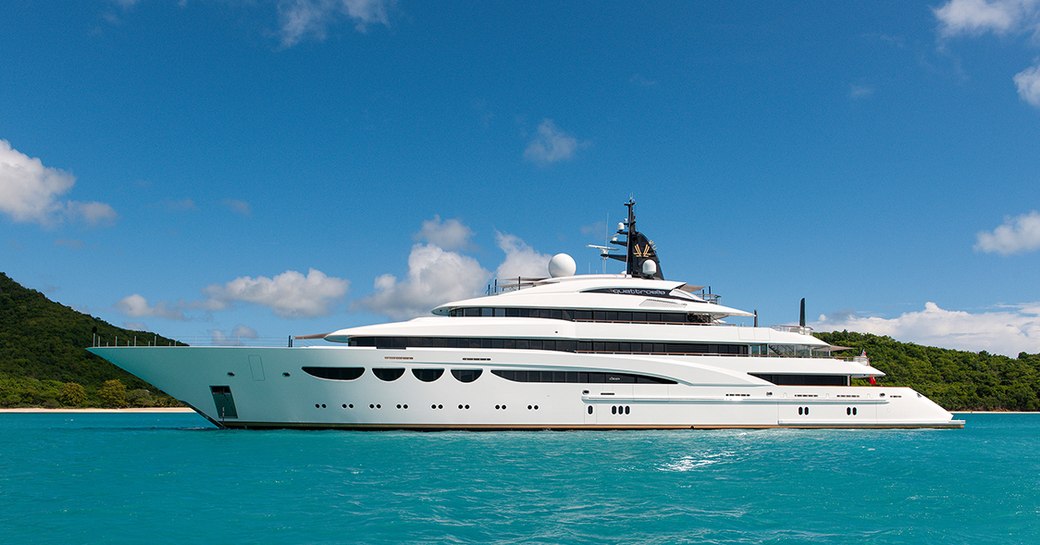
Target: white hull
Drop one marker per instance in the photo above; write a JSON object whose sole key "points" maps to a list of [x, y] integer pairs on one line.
{"points": [[269, 389]]}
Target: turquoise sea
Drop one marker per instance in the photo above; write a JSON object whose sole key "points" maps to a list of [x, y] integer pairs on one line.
{"points": [[172, 478]]}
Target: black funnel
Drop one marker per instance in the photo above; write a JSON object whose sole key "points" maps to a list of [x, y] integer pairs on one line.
{"points": [[801, 313]]}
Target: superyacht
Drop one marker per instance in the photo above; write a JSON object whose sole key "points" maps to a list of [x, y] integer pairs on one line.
{"points": [[596, 351]]}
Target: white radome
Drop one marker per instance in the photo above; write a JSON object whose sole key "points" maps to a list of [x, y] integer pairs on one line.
{"points": [[649, 268], [562, 265]]}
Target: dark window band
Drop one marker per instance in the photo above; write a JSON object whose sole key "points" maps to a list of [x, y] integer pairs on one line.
{"points": [[586, 315], [578, 377], [803, 380], [563, 345]]}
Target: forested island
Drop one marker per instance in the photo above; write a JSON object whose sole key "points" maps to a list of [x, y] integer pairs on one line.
{"points": [[44, 363]]}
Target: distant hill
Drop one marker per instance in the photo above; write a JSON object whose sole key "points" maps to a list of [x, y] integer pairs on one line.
{"points": [[43, 347], [955, 379]]}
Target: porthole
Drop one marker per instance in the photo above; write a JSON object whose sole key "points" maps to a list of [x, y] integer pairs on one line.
{"points": [[536, 407], [285, 374], [390, 374], [378, 406], [371, 405], [854, 411], [351, 406], [322, 405], [398, 405], [799, 411], [460, 407], [406, 406], [317, 406], [427, 375], [466, 375], [628, 409], [848, 411], [230, 374], [589, 409], [344, 405], [467, 406], [807, 411], [433, 406], [613, 409]]}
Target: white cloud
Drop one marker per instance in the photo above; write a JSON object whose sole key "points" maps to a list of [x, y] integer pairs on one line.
{"points": [[1028, 84], [1000, 332], [238, 206], [289, 295], [435, 276], [300, 19], [91, 213], [981, 16], [449, 234], [1016, 235], [137, 306], [860, 91], [31, 192], [551, 145], [521, 259]]}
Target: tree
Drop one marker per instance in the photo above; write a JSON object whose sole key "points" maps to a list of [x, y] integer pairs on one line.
{"points": [[72, 394], [112, 394]]}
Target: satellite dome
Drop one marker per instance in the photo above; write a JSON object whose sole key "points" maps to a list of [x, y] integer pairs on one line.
{"points": [[649, 268], [562, 265]]}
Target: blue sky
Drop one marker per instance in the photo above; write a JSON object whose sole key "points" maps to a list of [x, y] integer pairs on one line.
{"points": [[240, 171]]}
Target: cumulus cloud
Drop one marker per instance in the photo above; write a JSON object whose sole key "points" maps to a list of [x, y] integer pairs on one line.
{"points": [[449, 234], [136, 306], [1028, 84], [435, 276], [521, 259], [1001, 17], [289, 295], [31, 192], [1008, 332], [981, 16], [551, 145], [300, 19], [1016, 235]]}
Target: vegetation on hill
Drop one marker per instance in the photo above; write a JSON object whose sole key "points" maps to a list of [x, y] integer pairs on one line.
{"points": [[955, 379], [44, 362]]}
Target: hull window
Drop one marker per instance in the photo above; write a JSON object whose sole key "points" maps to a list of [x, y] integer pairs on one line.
{"points": [[335, 373], [427, 375], [466, 375], [388, 374]]}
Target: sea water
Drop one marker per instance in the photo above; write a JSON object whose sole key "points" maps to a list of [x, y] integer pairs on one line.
{"points": [[172, 478]]}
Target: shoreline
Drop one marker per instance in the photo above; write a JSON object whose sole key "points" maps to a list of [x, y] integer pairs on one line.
{"points": [[27, 410]]}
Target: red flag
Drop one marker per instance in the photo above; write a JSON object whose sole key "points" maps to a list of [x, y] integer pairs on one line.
{"points": [[873, 381]]}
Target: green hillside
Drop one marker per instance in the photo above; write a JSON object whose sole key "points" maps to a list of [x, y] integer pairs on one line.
{"points": [[955, 379], [42, 356]]}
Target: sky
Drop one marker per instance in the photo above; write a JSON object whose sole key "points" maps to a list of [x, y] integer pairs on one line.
{"points": [[229, 171]]}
